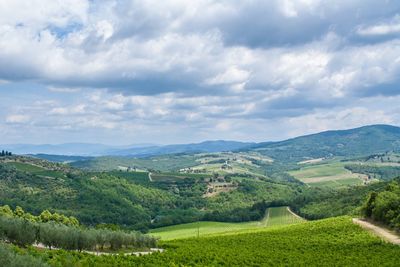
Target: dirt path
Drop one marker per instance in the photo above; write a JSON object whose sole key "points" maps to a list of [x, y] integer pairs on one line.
{"points": [[98, 253], [294, 214], [151, 180], [379, 231], [264, 220]]}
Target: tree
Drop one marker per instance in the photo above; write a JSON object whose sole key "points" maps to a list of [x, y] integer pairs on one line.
{"points": [[73, 221], [6, 210], [45, 216], [56, 217], [369, 205], [19, 212]]}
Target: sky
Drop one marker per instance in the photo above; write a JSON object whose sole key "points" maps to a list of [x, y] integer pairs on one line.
{"points": [[174, 71]]}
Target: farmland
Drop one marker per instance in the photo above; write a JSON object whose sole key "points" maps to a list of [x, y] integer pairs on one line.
{"points": [[274, 216], [332, 174], [26, 167], [209, 163], [281, 216], [329, 242]]}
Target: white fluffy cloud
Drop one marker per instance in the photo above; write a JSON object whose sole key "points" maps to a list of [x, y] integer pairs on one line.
{"points": [[130, 65]]}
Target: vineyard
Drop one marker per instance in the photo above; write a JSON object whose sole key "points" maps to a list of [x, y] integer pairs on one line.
{"points": [[281, 216], [330, 242], [274, 216]]}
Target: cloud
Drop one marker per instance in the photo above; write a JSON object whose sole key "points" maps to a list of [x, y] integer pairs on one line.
{"points": [[391, 27], [63, 89], [17, 118], [151, 65], [72, 110]]}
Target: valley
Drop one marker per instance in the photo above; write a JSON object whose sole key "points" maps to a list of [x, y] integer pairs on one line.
{"points": [[184, 201]]}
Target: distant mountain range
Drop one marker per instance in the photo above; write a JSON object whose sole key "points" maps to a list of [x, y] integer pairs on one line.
{"points": [[359, 141], [68, 149], [139, 150]]}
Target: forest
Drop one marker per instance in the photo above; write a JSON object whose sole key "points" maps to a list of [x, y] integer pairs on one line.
{"points": [[384, 206]]}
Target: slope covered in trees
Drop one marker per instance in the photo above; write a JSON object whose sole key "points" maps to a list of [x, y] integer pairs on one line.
{"points": [[353, 142], [317, 203], [131, 200], [384, 206]]}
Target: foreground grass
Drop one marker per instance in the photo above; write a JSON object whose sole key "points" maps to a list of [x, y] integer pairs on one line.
{"points": [[330, 242], [274, 216]]}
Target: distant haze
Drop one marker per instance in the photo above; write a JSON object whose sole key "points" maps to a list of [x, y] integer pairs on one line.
{"points": [[361, 140]]}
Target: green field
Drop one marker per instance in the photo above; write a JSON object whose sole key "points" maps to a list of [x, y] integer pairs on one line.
{"points": [[331, 174], [26, 167], [330, 242], [281, 216], [274, 216]]}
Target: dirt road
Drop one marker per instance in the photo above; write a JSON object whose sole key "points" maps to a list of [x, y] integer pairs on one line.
{"points": [[379, 231], [294, 214], [99, 253]]}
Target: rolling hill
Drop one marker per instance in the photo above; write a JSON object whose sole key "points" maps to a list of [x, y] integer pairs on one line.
{"points": [[344, 143], [48, 151], [203, 147]]}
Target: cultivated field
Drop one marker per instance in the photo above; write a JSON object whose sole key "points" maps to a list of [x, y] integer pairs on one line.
{"points": [[328, 174], [281, 216], [25, 167], [331, 242], [274, 217]]}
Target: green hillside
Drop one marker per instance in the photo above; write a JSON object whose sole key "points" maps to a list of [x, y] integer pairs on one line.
{"points": [[130, 199], [331, 242], [346, 143]]}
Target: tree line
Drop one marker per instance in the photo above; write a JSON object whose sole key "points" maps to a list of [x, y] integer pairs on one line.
{"points": [[45, 216], [5, 153], [53, 235], [379, 172], [384, 206]]}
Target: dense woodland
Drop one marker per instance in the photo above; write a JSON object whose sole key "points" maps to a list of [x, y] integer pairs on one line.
{"points": [[130, 200], [384, 206]]}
